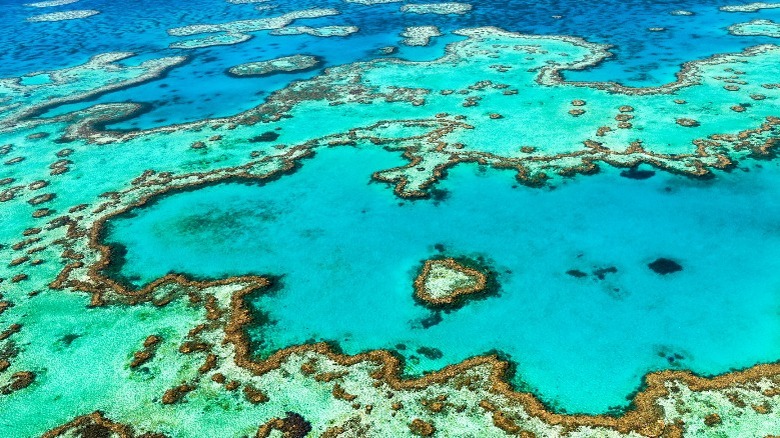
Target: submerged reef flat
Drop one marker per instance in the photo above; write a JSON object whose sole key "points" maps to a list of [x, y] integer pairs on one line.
{"points": [[372, 2], [179, 356], [253, 25], [419, 35], [286, 64], [99, 75], [436, 8], [63, 16], [750, 7], [325, 31], [221, 39], [238, 31], [756, 28], [51, 3]]}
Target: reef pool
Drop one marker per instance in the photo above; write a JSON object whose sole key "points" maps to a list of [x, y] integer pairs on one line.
{"points": [[578, 309]]}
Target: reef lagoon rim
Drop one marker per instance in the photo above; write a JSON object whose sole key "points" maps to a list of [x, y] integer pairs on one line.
{"points": [[580, 312]]}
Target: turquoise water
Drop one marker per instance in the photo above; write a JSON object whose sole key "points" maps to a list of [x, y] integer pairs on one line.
{"points": [[347, 254], [579, 311]]}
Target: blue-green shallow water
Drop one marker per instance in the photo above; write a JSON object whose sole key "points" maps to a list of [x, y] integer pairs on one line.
{"points": [[348, 251], [201, 88]]}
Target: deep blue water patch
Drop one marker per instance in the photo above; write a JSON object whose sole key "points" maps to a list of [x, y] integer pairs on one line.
{"points": [[201, 89]]}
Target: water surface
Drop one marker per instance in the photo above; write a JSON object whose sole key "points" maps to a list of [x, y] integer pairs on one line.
{"points": [[347, 251]]}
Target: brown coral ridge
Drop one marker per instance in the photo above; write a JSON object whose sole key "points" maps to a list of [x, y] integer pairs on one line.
{"points": [[644, 416], [140, 357], [420, 427], [588, 158], [632, 156], [96, 425], [110, 257], [293, 425], [99, 283], [762, 142], [484, 283], [19, 381], [316, 65], [176, 394]]}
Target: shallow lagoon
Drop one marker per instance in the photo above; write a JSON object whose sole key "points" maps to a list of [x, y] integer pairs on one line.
{"points": [[347, 251]]}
